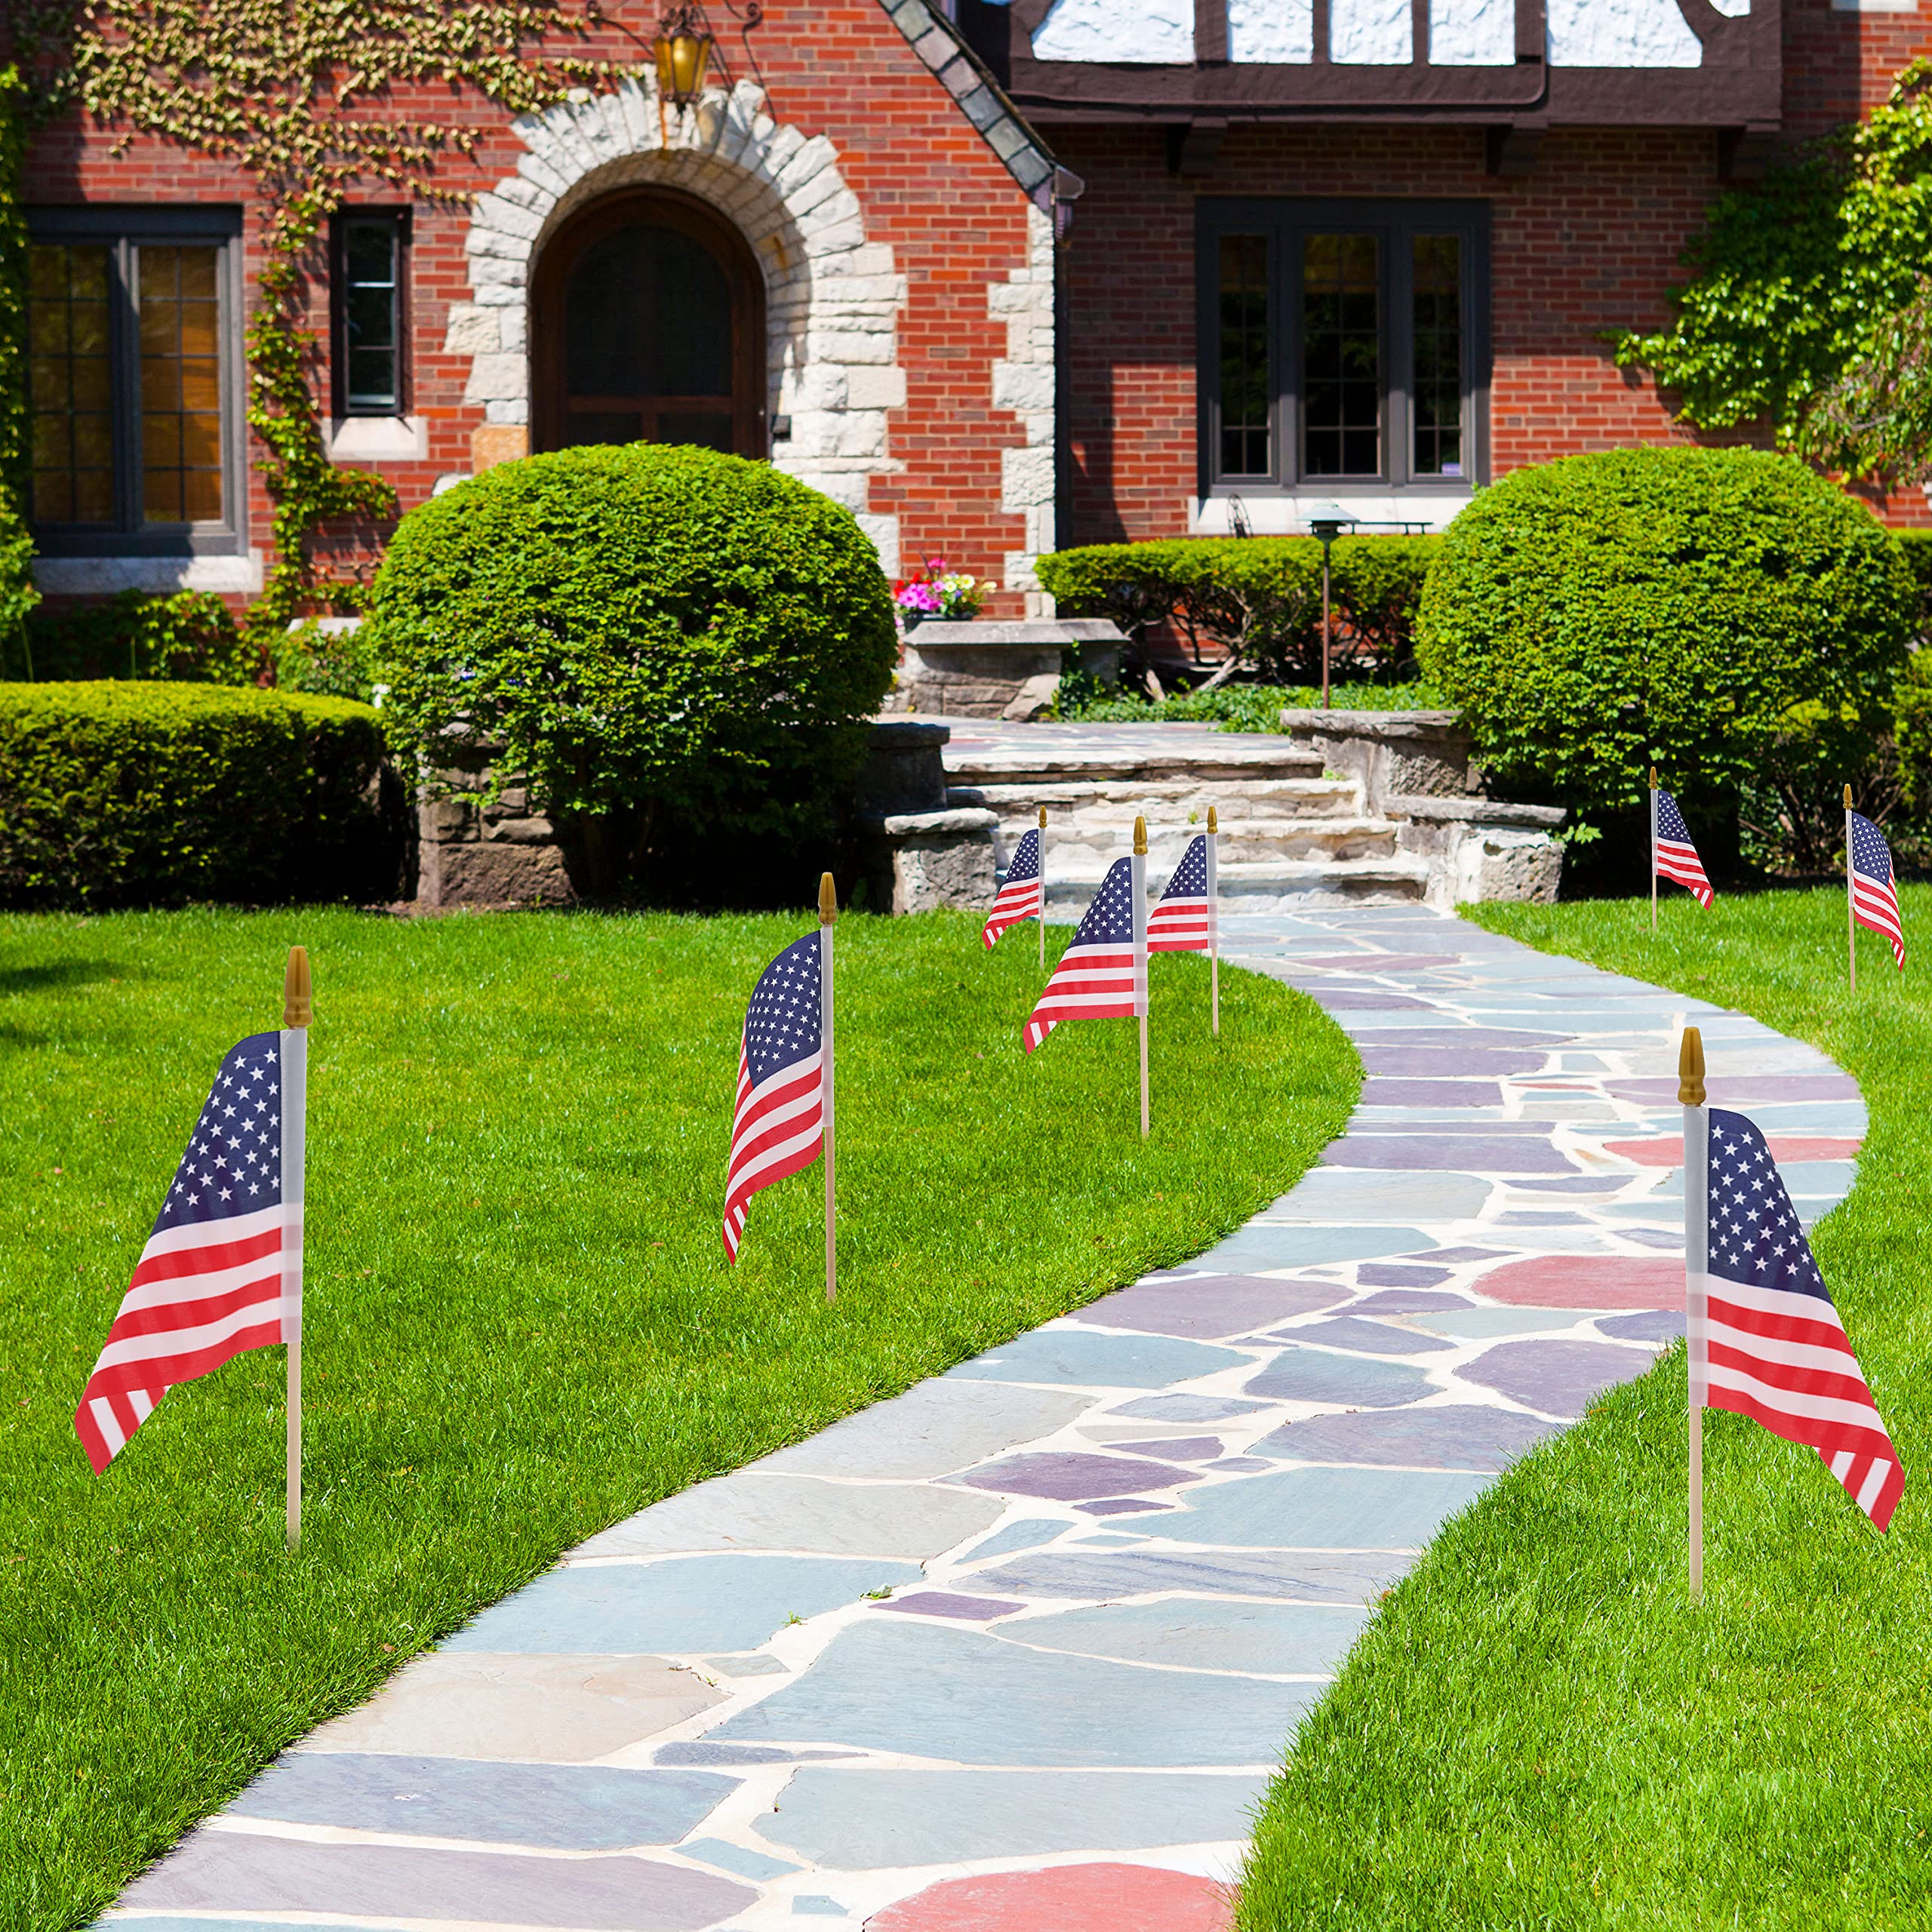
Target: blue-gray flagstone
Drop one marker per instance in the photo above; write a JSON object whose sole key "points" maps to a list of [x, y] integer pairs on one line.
{"points": [[1308, 1375], [1265, 1639], [1371, 1338], [1452, 1436], [1266, 1244], [1081, 1358], [739, 1859], [1321, 1508]]}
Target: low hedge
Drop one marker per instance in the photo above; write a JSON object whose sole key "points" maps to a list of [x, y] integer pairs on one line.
{"points": [[189, 635], [116, 794], [1258, 596]]}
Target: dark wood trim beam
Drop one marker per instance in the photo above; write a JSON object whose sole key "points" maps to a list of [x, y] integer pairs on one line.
{"points": [[1211, 33], [1194, 148], [1510, 153]]}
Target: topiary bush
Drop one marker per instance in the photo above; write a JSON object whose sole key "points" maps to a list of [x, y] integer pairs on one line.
{"points": [[120, 794], [1259, 597], [662, 639], [1726, 615]]}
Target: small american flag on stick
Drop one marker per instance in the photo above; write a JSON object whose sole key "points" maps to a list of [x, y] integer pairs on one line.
{"points": [[1870, 881], [1672, 854], [1183, 921], [214, 1277], [778, 1126], [1102, 975], [1021, 894]]}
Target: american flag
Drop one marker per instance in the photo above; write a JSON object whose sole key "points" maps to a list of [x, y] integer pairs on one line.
{"points": [[779, 1126], [1183, 921], [1874, 897], [208, 1283], [1102, 974], [1677, 857], [1019, 897], [1775, 1348]]}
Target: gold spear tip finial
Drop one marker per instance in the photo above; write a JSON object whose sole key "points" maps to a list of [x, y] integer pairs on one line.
{"points": [[1140, 837], [1690, 1069], [1653, 778], [1043, 818], [1214, 823], [298, 1005], [1847, 797], [828, 900]]}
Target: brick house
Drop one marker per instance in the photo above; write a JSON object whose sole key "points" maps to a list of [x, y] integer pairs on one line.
{"points": [[1358, 251]]}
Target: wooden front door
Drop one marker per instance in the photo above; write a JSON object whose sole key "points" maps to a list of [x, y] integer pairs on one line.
{"points": [[648, 326]]}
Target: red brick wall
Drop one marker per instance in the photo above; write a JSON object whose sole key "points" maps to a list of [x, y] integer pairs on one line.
{"points": [[930, 187]]}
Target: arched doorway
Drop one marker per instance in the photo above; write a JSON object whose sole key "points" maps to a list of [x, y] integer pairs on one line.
{"points": [[648, 325]]}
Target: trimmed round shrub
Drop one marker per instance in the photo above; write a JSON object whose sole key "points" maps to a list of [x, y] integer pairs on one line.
{"points": [[656, 637], [119, 794], [1697, 610]]}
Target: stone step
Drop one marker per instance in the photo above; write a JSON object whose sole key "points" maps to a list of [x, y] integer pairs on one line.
{"points": [[1213, 756], [1174, 801], [1259, 886], [1086, 852]]}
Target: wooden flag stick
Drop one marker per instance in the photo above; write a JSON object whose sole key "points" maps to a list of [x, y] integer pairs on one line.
{"points": [[297, 1009], [1140, 882], [1043, 888], [828, 913], [1697, 1262], [1850, 922], [1213, 920], [1653, 849]]}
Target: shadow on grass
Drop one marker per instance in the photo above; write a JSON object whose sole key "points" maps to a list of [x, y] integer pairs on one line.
{"points": [[54, 974]]}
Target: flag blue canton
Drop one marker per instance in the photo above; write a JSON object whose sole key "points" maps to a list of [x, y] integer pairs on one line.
{"points": [[1756, 1239], [1870, 855], [1190, 878], [1109, 920], [1025, 860], [1670, 820], [783, 1024], [233, 1164]]}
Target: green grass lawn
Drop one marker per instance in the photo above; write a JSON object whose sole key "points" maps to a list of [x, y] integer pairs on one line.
{"points": [[1537, 1732], [519, 1324]]}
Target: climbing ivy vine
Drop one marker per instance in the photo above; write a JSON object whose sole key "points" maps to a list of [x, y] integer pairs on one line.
{"points": [[309, 97], [1811, 305]]}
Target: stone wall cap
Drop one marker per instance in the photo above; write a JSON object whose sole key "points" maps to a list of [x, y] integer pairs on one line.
{"points": [[893, 735], [1372, 724], [912, 824], [1471, 811], [1025, 631]]}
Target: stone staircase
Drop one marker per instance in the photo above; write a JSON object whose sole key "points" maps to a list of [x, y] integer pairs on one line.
{"points": [[1290, 830]]}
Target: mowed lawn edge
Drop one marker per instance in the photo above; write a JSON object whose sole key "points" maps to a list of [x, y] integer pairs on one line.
{"points": [[520, 1326], [1537, 1731]]}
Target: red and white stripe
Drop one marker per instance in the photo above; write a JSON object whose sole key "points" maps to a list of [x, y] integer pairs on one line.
{"points": [[1181, 925], [201, 1294], [1783, 1360], [1876, 907], [1678, 859], [776, 1129], [1018, 900]]}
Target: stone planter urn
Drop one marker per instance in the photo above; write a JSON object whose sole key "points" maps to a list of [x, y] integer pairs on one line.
{"points": [[986, 668]]}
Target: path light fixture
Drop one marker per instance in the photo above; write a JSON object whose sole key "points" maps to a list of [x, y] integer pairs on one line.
{"points": [[1326, 521]]}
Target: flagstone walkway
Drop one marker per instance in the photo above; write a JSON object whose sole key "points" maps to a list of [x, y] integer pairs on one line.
{"points": [[1016, 1651]]}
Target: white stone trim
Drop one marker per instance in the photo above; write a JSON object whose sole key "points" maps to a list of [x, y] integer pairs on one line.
{"points": [[100, 577], [1023, 383], [831, 298]]}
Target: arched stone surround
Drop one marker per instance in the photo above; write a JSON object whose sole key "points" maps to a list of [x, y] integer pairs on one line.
{"points": [[831, 298]]}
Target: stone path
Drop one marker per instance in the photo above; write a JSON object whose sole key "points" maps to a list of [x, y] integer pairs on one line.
{"points": [[1016, 1651]]}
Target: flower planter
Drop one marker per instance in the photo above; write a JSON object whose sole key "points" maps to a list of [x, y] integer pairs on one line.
{"points": [[987, 669]]}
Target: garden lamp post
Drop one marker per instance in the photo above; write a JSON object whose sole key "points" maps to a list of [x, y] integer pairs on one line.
{"points": [[1326, 521], [683, 49]]}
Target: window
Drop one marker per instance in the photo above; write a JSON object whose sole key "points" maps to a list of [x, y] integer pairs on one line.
{"points": [[371, 334], [132, 369], [1343, 344]]}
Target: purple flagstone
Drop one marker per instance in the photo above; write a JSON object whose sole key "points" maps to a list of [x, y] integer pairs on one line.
{"points": [[1559, 1378], [1467, 1253], [943, 1602], [1503, 1154], [1306, 1375], [1068, 1475], [1179, 1449], [1380, 1093], [1243, 1463], [1099, 1575], [1409, 1301], [1374, 965], [1660, 1324], [1574, 1183], [1339, 999], [1119, 1505], [1462, 1037], [1468, 1436], [1393, 1274], [234, 1871], [1371, 1338], [1209, 1306], [1412, 1062], [1746, 1091]]}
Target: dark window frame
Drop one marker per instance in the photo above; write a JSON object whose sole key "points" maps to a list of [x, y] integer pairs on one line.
{"points": [[126, 228], [343, 410], [1394, 223]]}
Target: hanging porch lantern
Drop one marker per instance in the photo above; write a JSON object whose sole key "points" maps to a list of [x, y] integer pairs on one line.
{"points": [[683, 48]]}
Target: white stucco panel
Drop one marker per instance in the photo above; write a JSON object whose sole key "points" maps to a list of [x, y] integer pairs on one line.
{"points": [[1371, 33], [1620, 33], [1156, 31], [1471, 33], [1271, 30]]}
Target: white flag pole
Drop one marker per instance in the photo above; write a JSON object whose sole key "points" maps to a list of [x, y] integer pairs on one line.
{"points": [[1653, 849], [827, 912], [1043, 888], [1850, 922], [1696, 1264], [1213, 919], [1139, 875], [297, 1008]]}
